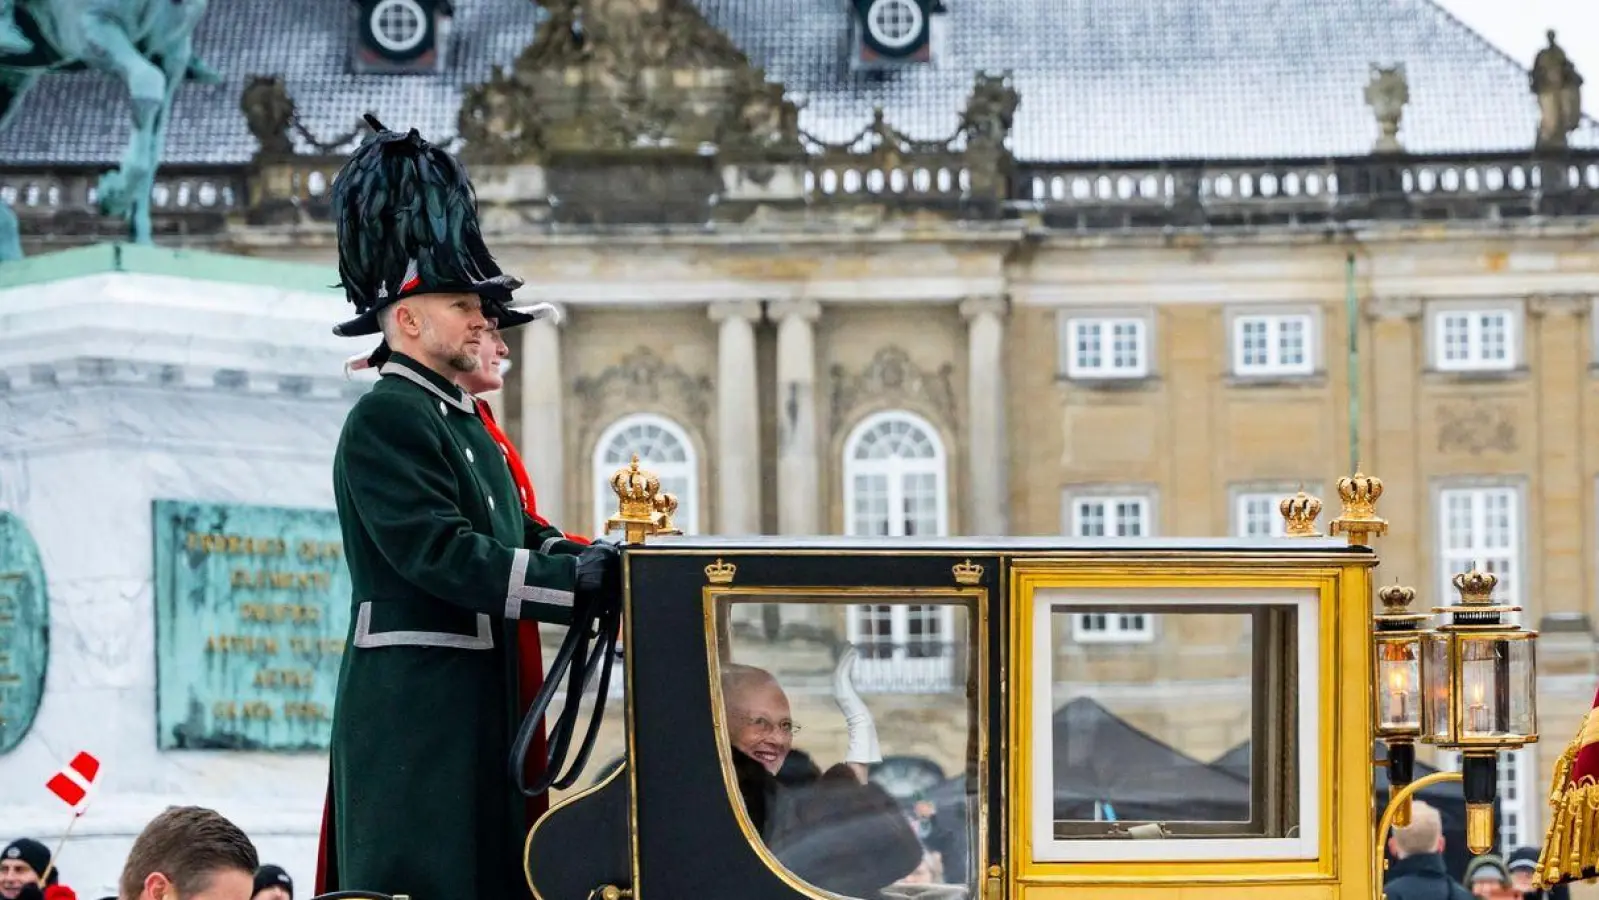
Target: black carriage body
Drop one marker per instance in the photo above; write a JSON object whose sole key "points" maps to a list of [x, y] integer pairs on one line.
{"points": [[671, 824], [687, 835]]}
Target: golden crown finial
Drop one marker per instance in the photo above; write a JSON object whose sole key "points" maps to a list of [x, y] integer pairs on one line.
{"points": [[1359, 520], [967, 572], [1396, 599], [1476, 587], [1300, 512], [666, 505], [635, 490], [720, 572]]}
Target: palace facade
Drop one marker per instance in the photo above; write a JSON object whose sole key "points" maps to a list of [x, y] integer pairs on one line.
{"points": [[1083, 269]]}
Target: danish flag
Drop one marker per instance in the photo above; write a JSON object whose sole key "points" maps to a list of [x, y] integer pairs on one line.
{"points": [[72, 784]]}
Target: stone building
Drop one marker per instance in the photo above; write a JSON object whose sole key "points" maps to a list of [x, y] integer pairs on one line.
{"points": [[1099, 269]]}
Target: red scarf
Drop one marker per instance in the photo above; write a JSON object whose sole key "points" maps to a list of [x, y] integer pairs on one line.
{"points": [[530, 675]]}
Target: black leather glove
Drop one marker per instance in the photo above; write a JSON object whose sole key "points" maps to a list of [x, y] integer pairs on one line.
{"points": [[599, 568]]}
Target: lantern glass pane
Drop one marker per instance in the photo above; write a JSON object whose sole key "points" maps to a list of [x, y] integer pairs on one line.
{"points": [[1435, 669], [1399, 684], [1484, 687], [1522, 716]]}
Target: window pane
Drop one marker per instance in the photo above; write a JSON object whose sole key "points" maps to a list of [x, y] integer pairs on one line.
{"points": [[912, 819], [1088, 352], [1199, 734], [1291, 341]]}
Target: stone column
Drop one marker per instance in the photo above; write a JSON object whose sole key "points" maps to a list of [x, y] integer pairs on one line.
{"points": [[988, 447], [1392, 366], [543, 439], [798, 478], [1559, 497], [737, 466]]}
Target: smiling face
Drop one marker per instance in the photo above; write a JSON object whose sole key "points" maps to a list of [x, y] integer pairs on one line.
{"points": [[759, 722], [14, 876]]}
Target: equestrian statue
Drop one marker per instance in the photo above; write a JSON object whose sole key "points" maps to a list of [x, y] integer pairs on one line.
{"points": [[147, 44]]}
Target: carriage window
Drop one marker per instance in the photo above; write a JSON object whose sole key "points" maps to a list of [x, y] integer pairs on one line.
{"points": [[850, 729], [1203, 739]]}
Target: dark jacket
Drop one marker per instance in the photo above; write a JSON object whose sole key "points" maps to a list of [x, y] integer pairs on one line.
{"points": [[829, 829], [443, 563], [1422, 877]]}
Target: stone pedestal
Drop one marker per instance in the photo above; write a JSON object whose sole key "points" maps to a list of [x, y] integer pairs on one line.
{"points": [[119, 389]]}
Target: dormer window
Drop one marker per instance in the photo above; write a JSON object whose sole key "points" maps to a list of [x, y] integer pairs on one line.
{"points": [[400, 36], [398, 26]]}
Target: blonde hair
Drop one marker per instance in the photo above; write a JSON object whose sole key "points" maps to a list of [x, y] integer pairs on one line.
{"points": [[1422, 834]]}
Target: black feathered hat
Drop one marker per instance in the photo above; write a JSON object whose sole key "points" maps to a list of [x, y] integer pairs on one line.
{"points": [[407, 224]]}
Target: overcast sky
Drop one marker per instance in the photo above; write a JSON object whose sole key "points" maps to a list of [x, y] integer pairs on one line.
{"points": [[1517, 27]]}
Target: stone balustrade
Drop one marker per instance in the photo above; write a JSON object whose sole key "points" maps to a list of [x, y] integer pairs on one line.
{"points": [[1290, 192], [1088, 197]]}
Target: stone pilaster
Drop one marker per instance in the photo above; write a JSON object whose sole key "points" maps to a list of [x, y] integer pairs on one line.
{"points": [[798, 468], [1559, 496], [1393, 365], [543, 439], [988, 450], [738, 436]]}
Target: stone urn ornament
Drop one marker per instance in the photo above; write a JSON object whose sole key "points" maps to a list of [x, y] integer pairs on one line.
{"points": [[1386, 94]]}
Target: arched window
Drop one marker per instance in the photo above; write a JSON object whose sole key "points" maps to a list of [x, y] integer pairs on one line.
{"points": [[663, 448], [895, 485], [894, 478]]}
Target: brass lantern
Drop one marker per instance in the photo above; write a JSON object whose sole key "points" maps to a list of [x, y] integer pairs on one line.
{"points": [[1397, 637], [1480, 674]]}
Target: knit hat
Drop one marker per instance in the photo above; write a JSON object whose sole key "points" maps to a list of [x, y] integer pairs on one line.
{"points": [[1487, 867], [273, 876], [1523, 858], [30, 851]]}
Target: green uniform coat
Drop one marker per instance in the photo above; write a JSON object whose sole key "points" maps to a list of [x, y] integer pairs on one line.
{"points": [[443, 560]]}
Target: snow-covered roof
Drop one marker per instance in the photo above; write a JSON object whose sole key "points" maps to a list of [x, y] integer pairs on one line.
{"points": [[1100, 80]]}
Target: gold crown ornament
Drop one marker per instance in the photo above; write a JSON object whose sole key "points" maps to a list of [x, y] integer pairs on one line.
{"points": [[720, 572], [1359, 520], [967, 572], [1396, 599], [636, 491], [1299, 513], [666, 507]]}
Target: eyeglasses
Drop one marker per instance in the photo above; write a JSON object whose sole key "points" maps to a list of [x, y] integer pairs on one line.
{"points": [[765, 725]]}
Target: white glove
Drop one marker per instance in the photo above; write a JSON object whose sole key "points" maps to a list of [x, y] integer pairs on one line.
{"points": [[857, 718], [356, 363]]}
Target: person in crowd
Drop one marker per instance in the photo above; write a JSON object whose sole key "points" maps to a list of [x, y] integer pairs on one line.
{"points": [[22, 863], [1523, 864], [833, 829], [1487, 877], [272, 883], [189, 853], [1418, 871]]}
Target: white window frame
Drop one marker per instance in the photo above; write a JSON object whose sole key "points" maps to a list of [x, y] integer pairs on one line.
{"points": [[602, 467], [1454, 560], [1118, 627], [1047, 848], [899, 668], [1275, 526], [895, 470], [1106, 324], [1274, 365], [1474, 316]]}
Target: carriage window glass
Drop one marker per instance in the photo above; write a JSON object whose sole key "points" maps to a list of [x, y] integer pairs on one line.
{"points": [[850, 730], [1202, 738]]}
